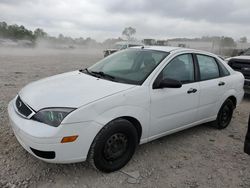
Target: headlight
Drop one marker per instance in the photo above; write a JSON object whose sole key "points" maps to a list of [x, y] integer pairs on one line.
{"points": [[52, 116]]}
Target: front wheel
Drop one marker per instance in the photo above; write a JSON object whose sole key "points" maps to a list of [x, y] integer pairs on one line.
{"points": [[114, 146], [225, 114]]}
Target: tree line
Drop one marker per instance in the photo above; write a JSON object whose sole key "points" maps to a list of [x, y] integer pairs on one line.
{"points": [[17, 32]]}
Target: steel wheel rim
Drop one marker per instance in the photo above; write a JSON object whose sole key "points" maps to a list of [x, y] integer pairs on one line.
{"points": [[115, 147]]}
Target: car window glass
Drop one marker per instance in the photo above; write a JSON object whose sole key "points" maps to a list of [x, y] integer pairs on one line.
{"points": [[130, 65], [126, 62], [208, 67], [224, 71], [181, 68], [157, 57]]}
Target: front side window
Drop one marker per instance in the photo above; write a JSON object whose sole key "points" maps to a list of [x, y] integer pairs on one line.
{"points": [[181, 68], [131, 66], [208, 67]]}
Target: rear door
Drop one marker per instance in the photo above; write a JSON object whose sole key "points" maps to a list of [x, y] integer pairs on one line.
{"points": [[213, 84]]}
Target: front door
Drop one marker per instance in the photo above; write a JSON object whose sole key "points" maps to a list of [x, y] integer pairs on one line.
{"points": [[173, 108]]}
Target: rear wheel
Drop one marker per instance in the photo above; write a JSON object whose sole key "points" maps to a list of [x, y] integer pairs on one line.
{"points": [[114, 146], [225, 114]]}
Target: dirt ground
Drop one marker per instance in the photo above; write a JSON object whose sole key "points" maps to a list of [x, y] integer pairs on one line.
{"points": [[198, 157]]}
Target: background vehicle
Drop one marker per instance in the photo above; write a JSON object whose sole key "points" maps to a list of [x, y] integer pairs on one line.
{"points": [[247, 139], [131, 97], [121, 46], [242, 64]]}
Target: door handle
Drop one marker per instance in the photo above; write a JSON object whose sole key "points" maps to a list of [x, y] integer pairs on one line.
{"points": [[221, 83], [191, 90]]}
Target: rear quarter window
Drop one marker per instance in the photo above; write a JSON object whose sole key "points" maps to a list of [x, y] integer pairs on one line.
{"points": [[223, 69]]}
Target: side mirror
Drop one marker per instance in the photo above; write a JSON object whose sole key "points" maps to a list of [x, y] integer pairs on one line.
{"points": [[167, 83]]}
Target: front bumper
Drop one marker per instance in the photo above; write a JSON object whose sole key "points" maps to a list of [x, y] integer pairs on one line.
{"points": [[40, 139]]}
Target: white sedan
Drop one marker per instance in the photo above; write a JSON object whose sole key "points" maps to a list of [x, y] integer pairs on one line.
{"points": [[131, 97]]}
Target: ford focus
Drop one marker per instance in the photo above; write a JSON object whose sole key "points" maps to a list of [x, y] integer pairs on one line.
{"points": [[102, 113]]}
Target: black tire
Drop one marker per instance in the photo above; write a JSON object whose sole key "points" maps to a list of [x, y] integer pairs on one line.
{"points": [[225, 114], [113, 146]]}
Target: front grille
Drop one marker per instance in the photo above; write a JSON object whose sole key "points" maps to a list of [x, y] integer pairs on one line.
{"points": [[242, 66], [22, 108], [247, 83]]}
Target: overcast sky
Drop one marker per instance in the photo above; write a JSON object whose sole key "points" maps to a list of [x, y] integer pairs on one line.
{"points": [[160, 19]]}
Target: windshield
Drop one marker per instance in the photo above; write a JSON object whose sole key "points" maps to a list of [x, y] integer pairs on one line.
{"points": [[130, 66]]}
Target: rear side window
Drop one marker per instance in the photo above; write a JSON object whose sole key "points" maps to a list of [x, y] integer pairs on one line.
{"points": [[208, 67]]}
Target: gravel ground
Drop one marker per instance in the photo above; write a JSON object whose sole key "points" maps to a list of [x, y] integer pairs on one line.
{"points": [[198, 157]]}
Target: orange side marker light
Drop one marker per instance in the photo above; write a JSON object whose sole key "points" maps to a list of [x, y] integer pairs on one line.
{"points": [[69, 139]]}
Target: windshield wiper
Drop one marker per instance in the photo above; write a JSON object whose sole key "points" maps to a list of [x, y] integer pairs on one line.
{"points": [[99, 74], [102, 74], [88, 72], [84, 70]]}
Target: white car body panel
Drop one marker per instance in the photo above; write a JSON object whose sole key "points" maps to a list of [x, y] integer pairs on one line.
{"points": [[209, 98], [159, 111], [167, 113], [47, 138], [72, 89], [123, 104]]}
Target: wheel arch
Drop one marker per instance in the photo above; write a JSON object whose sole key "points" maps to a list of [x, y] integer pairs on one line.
{"points": [[230, 94], [220, 123], [136, 123], [233, 99]]}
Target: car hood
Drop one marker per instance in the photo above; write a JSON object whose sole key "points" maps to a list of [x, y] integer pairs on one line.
{"points": [[72, 89]]}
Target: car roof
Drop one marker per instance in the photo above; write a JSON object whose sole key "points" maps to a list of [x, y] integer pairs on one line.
{"points": [[129, 42], [174, 49], [162, 48]]}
